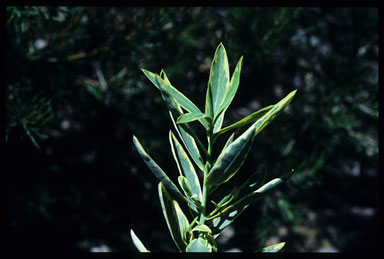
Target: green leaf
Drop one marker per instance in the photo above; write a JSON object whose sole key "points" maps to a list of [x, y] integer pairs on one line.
{"points": [[199, 245], [156, 170], [212, 242], [229, 214], [253, 182], [139, 245], [181, 99], [230, 159], [272, 248], [185, 166], [173, 106], [189, 117], [202, 228], [218, 81], [245, 121], [186, 136], [184, 184], [183, 222], [229, 141], [171, 217], [229, 95], [225, 219], [151, 76], [271, 114]]}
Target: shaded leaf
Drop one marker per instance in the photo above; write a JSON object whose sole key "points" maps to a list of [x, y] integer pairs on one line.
{"points": [[253, 182]]}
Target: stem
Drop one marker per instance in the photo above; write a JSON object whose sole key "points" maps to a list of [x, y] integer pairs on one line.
{"points": [[208, 165]]}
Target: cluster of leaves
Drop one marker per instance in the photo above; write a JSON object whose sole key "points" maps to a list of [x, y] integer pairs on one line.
{"points": [[62, 54], [216, 171]]}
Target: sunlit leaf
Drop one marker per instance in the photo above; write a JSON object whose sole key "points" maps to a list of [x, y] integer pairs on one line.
{"points": [[246, 121], [202, 228], [272, 248], [189, 117], [183, 222], [186, 135], [171, 217], [218, 81], [184, 184], [185, 165], [229, 214], [139, 245], [199, 245], [182, 100], [225, 219], [271, 115], [229, 95], [156, 170], [230, 159]]}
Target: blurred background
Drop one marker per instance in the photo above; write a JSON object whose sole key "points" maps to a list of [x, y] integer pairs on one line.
{"points": [[75, 95]]}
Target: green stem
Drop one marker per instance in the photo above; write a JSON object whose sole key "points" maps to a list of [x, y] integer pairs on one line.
{"points": [[207, 168]]}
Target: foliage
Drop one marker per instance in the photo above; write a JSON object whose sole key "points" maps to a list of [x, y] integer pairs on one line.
{"points": [[83, 63], [216, 171]]}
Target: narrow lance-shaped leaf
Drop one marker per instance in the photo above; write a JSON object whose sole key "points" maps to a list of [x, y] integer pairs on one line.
{"points": [[171, 217], [255, 181], [151, 76], [186, 133], [230, 159], [173, 106], [229, 141], [228, 215], [185, 166], [181, 99], [139, 245], [229, 95], [245, 121], [189, 117], [225, 219], [183, 222], [273, 248], [156, 170], [218, 81], [271, 114], [189, 142], [184, 184]]}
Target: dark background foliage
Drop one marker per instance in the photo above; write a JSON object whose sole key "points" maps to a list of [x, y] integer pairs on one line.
{"points": [[75, 95]]}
